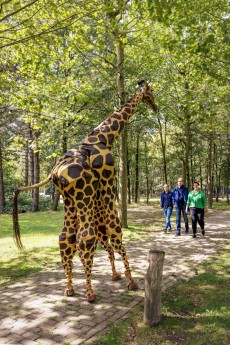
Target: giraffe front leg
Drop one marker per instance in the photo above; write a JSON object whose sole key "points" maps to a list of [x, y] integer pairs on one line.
{"points": [[115, 232], [104, 240], [115, 275], [67, 244], [113, 228], [121, 250]]}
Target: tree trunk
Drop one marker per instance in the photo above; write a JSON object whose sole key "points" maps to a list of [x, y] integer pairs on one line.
{"points": [[210, 171], [31, 163], [146, 173], [123, 181], [163, 146], [137, 170], [37, 134], [228, 164], [129, 182], [57, 194], [36, 180], [187, 141], [186, 174], [56, 200], [2, 191], [153, 281], [26, 151]]}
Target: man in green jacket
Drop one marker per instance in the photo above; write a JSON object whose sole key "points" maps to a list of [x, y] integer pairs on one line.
{"points": [[198, 205]]}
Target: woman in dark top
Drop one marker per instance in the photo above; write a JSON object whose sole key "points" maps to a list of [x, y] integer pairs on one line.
{"points": [[166, 203]]}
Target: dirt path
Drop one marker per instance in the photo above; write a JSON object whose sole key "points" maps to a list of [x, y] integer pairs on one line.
{"points": [[35, 312]]}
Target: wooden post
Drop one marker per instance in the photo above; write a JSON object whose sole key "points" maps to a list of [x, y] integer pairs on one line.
{"points": [[153, 280]]}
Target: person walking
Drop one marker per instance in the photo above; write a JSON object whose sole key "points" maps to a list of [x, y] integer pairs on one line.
{"points": [[166, 203], [198, 206], [180, 197]]}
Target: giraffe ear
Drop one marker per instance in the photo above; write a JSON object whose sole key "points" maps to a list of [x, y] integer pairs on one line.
{"points": [[141, 82]]}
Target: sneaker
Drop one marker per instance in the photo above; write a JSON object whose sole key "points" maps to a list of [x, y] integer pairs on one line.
{"points": [[168, 231], [177, 234], [194, 235], [203, 232]]}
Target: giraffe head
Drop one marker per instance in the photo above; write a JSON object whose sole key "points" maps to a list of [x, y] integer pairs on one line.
{"points": [[147, 94]]}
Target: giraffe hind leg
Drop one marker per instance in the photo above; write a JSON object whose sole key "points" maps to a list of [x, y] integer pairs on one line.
{"points": [[67, 249], [86, 249]]}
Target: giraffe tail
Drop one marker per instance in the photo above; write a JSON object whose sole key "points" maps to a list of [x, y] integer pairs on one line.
{"points": [[16, 227]]}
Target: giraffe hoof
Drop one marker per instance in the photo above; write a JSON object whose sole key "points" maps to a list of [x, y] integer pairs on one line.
{"points": [[133, 286], [69, 292], [116, 277], [91, 298]]}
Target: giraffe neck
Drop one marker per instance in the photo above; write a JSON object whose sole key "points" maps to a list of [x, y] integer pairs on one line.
{"points": [[110, 129]]}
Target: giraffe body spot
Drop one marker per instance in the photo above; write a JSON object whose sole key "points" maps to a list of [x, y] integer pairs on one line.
{"points": [[63, 246], [110, 138], [62, 237], [71, 191], [105, 129], [86, 200], [93, 139], [87, 176], [64, 181], [115, 125], [68, 251], [74, 171], [97, 162], [102, 138], [88, 190], [117, 116], [109, 160], [80, 196], [80, 205]]}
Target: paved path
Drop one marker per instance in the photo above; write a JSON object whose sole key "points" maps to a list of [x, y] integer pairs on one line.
{"points": [[35, 312]]}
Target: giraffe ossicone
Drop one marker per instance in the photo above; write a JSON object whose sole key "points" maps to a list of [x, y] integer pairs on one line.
{"points": [[85, 177]]}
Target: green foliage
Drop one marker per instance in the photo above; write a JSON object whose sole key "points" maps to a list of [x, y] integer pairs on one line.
{"points": [[59, 73], [25, 203]]}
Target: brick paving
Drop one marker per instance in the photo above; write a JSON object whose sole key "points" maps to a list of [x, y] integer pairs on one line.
{"points": [[34, 311]]}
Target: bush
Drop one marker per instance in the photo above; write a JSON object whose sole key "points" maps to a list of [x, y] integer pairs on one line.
{"points": [[25, 203]]}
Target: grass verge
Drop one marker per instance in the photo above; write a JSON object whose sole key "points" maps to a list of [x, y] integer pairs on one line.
{"points": [[194, 312], [39, 234]]}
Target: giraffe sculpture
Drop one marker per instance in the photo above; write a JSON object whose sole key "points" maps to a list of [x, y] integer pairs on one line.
{"points": [[85, 178]]}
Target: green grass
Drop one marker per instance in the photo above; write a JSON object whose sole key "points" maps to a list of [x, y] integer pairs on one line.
{"points": [[39, 234], [193, 313], [220, 205]]}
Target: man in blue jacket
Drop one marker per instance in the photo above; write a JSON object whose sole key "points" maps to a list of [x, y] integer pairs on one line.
{"points": [[180, 197]]}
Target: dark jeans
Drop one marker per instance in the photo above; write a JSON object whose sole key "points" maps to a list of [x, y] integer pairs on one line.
{"points": [[181, 209], [197, 216]]}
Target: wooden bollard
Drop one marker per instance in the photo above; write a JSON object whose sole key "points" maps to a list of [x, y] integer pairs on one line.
{"points": [[153, 280]]}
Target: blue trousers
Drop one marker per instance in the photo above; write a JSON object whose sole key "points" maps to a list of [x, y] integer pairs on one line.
{"points": [[167, 214], [181, 209]]}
